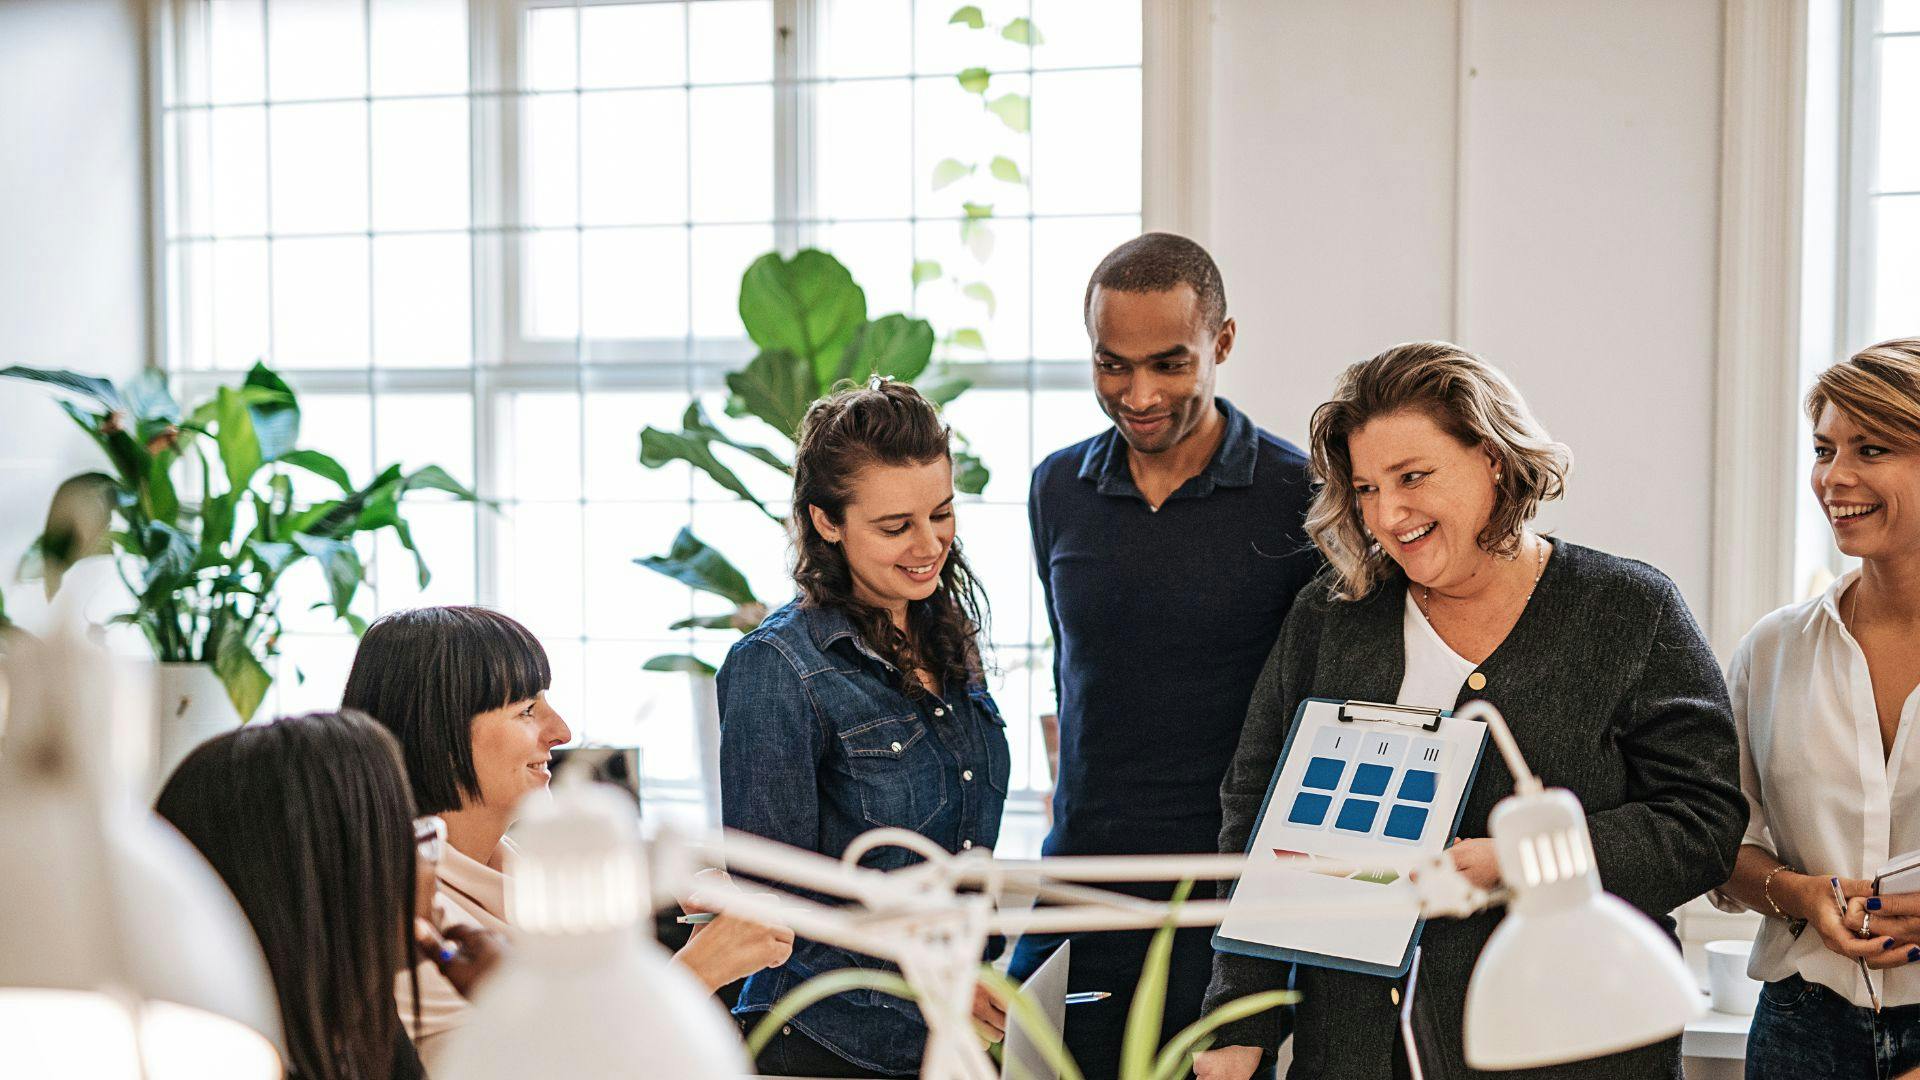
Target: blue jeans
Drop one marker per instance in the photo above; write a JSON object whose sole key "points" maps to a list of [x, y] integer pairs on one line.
{"points": [[1804, 1031]]}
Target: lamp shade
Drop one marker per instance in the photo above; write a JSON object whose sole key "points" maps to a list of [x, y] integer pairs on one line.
{"points": [[1571, 972], [585, 994], [121, 953]]}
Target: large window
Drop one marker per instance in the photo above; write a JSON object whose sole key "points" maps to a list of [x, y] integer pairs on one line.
{"points": [[1863, 207], [505, 235]]}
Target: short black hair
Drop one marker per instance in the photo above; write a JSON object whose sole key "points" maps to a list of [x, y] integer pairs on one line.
{"points": [[308, 821], [1156, 262], [425, 673]]}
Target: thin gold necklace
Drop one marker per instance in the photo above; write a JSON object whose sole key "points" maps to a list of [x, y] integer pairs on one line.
{"points": [[1426, 591]]}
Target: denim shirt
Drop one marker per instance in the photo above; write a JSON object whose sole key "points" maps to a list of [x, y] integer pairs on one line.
{"points": [[818, 745]]}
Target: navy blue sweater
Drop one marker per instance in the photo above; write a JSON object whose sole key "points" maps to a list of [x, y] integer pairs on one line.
{"points": [[1161, 623]]}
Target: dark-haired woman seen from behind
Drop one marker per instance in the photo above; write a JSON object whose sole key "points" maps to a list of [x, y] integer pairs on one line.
{"points": [[862, 703], [309, 822], [464, 689]]}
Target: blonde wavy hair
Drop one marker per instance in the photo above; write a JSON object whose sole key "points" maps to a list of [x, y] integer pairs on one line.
{"points": [[1879, 388], [1470, 400]]}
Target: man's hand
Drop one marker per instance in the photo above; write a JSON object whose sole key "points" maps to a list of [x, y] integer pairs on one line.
{"points": [[1227, 1063], [989, 1014], [1476, 862]]}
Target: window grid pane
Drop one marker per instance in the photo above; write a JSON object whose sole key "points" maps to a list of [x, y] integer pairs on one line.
{"points": [[510, 264]]}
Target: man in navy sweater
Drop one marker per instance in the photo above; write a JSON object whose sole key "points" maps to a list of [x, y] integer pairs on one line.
{"points": [[1170, 548]]}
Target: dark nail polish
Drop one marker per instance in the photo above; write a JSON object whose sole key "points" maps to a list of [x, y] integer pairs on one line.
{"points": [[1890, 943], [1913, 954], [1873, 903]]}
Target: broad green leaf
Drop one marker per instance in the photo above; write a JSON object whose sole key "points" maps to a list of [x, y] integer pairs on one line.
{"points": [[950, 171], [239, 445], [691, 562], [978, 236], [692, 665], [1014, 110], [982, 292], [926, 270], [216, 529], [896, 346], [148, 398], [943, 391], [170, 556], [808, 305], [970, 474], [659, 447], [163, 503], [435, 478], [777, 386], [240, 671], [694, 421], [1021, 31], [340, 564], [975, 211], [90, 386], [276, 418], [1142, 1037], [1004, 168], [818, 989], [969, 16], [320, 465], [704, 622], [974, 80], [272, 556], [79, 518], [969, 338]]}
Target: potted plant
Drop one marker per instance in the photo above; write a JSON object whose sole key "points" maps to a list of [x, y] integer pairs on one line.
{"points": [[198, 516]]}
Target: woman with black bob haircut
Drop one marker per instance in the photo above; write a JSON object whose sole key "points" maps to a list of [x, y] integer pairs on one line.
{"points": [[309, 822], [862, 703], [464, 689]]}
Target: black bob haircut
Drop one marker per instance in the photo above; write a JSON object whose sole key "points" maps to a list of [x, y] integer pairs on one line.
{"points": [[1157, 262], [426, 673], [309, 822]]}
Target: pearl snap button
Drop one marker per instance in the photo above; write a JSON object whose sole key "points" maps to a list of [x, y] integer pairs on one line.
{"points": [[896, 748], [967, 774], [939, 711], [966, 845]]}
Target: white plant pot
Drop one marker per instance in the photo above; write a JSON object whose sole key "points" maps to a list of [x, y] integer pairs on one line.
{"points": [[193, 707]]}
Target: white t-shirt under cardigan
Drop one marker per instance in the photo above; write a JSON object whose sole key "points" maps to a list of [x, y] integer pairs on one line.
{"points": [[1434, 671], [1824, 799]]}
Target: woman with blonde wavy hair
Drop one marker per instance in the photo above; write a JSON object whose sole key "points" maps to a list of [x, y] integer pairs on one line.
{"points": [[1438, 591], [1823, 695]]}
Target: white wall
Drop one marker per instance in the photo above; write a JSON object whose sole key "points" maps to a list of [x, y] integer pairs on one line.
{"points": [[1534, 179], [72, 214]]}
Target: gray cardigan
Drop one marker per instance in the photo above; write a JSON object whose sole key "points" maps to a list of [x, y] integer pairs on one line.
{"points": [[1611, 692]]}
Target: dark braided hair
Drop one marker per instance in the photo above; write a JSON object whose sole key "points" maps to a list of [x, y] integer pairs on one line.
{"points": [[887, 423]]}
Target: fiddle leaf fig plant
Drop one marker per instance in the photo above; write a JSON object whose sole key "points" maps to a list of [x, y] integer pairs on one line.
{"points": [[197, 512], [808, 318]]}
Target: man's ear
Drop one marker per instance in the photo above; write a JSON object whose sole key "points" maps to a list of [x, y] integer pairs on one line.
{"points": [[1223, 342], [823, 524]]}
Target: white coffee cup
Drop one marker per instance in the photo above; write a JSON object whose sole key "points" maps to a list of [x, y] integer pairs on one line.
{"points": [[1727, 981]]}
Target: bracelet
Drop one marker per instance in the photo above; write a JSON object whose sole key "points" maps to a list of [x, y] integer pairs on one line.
{"points": [[1766, 890]]}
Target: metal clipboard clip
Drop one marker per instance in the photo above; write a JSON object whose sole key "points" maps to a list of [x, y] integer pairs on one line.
{"points": [[1375, 712]]}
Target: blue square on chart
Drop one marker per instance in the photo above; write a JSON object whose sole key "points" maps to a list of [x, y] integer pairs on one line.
{"points": [[1356, 815], [1371, 779], [1309, 809], [1324, 773], [1418, 785], [1406, 822]]}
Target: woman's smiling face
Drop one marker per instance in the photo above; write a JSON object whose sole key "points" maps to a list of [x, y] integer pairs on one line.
{"points": [[1869, 488], [896, 531], [1423, 495], [512, 748]]}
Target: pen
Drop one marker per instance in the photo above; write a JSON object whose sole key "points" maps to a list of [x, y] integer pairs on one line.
{"points": [[1840, 901], [699, 918], [1087, 997]]}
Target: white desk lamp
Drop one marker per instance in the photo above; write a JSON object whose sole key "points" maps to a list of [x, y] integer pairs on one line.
{"points": [[121, 953]]}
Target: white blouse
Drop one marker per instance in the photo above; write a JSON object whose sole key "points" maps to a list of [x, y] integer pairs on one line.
{"points": [[1823, 798], [470, 892], [1434, 671]]}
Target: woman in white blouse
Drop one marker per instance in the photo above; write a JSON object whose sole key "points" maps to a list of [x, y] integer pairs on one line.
{"points": [[1823, 693]]}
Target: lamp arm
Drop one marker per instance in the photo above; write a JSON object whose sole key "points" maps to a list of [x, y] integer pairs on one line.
{"points": [[1524, 782]]}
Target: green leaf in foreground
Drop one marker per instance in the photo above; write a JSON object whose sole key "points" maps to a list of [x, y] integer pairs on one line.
{"points": [[1004, 168], [950, 171], [1014, 110], [1021, 31], [974, 80], [926, 270], [969, 16]]}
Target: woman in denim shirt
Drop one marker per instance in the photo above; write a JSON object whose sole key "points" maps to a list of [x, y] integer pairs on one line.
{"points": [[861, 703]]}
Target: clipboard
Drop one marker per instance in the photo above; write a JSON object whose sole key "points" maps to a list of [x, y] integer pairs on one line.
{"points": [[1369, 783]]}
